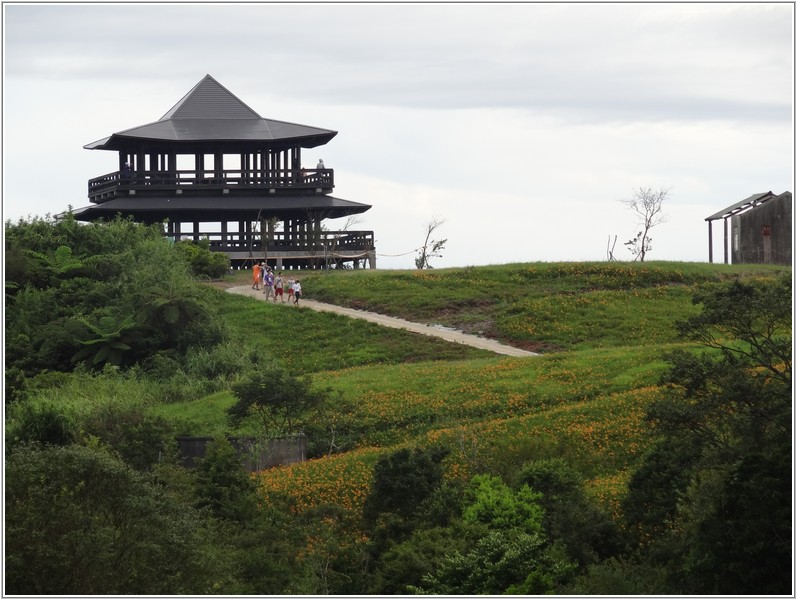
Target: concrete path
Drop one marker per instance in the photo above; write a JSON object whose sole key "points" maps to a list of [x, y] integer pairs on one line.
{"points": [[450, 335]]}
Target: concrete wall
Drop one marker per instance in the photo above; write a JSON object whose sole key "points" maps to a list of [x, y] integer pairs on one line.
{"points": [[762, 235], [256, 455]]}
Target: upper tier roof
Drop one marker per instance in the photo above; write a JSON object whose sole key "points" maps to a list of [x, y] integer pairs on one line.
{"points": [[210, 112]]}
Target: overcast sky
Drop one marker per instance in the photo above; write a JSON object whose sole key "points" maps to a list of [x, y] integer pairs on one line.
{"points": [[522, 125]]}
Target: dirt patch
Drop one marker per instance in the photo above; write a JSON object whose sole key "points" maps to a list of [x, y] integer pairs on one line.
{"points": [[484, 328]]}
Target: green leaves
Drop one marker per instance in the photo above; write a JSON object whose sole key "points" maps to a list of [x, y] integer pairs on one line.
{"points": [[509, 553], [712, 498], [747, 318], [498, 506], [277, 399], [104, 293], [107, 341], [81, 522]]}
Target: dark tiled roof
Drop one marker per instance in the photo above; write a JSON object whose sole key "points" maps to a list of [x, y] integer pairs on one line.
{"points": [[211, 112], [177, 208], [208, 99]]}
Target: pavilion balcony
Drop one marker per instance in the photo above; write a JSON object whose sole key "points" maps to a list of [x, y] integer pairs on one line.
{"points": [[306, 241], [306, 248], [210, 182]]}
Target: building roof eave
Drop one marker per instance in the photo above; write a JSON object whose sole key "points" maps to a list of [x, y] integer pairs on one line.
{"points": [[156, 209], [741, 206]]}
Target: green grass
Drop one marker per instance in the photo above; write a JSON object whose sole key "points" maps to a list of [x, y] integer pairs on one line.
{"points": [[203, 416], [604, 329], [305, 341], [541, 306]]}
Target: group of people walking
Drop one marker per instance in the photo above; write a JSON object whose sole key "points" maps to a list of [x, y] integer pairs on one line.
{"points": [[274, 285]]}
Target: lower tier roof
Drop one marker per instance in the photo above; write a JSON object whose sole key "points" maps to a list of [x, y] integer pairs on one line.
{"points": [[215, 209]]}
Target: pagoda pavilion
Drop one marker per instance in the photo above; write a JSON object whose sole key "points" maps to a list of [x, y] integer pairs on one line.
{"points": [[212, 168]]}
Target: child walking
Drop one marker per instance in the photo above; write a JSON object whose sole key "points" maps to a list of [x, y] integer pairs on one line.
{"points": [[278, 288], [297, 291]]}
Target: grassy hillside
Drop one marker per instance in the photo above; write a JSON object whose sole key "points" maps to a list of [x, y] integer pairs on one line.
{"points": [[603, 329], [431, 466], [538, 306]]}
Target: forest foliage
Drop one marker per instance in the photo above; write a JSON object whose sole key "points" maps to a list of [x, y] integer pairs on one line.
{"points": [[652, 458]]}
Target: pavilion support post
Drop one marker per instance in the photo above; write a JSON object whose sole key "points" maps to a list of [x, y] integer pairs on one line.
{"points": [[218, 166], [725, 236], [710, 242]]}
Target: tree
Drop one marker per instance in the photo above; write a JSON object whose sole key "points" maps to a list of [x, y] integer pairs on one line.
{"points": [[81, 522], [431, 248], [223, 486], [277, 399], [510, 556], [570, 516], [403, 480], [646, 203], [719, 479]]}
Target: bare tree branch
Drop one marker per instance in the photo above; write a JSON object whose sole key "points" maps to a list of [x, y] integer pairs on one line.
{"points": [[431, 248], [646, 203]]}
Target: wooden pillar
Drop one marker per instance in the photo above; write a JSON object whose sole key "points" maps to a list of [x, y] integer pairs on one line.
{"points": [[295, 164], [218, 165], [710, 242], [725, 228]]}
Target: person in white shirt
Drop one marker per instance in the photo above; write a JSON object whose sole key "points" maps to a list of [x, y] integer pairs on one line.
{"points": [[297, 291]]}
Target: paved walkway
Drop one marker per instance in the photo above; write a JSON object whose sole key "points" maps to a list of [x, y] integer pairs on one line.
{"points": [[450, 335]]}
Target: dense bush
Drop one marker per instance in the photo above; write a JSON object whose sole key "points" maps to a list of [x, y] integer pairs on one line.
{"points": [[712, 500], [103, 293], [79, 521], [203, 262]]}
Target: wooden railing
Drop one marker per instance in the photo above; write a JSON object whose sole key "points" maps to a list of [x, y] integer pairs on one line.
{"points": [[107, 185], [319, 244]]}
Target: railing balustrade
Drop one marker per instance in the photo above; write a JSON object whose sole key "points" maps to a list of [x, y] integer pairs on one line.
{"points": [[211, 179], [329, 242]]}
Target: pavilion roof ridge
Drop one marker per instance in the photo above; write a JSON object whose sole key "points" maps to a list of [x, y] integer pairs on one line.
{"points": [[208, 99], [210, 113]]}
